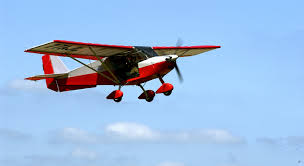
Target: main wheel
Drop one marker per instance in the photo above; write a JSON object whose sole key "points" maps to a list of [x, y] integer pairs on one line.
{"points": [[168, 93], [149, 99], [117, 99]]}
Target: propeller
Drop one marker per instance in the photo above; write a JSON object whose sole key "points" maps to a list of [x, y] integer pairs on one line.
{"points": [[179, 43], [179, 74]]}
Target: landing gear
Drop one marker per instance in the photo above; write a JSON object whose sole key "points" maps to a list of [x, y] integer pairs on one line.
{"points": [[168, 93], [148, 95], [166, 88], [117, 99], [149, 99], [116, 95]]}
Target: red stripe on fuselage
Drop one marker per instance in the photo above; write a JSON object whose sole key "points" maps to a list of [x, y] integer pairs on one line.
{"points": [[151, 72]]}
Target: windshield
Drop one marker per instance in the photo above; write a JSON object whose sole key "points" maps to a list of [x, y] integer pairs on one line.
{"points": [[147, 50]]}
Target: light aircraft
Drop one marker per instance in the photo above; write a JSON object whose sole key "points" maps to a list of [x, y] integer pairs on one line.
{"points": [[113, 65]]}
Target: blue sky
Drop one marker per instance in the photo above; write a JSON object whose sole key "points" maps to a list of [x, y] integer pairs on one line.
{"points": [[241, 105]]}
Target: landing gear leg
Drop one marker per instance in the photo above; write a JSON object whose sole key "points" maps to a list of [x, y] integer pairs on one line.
{"points": [[161, 79]]}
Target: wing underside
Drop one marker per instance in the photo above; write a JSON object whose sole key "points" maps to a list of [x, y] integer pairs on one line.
{"points": [[96, 51], [184, 51], [79, 50]]}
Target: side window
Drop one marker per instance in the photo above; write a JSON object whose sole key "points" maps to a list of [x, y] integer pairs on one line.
{"points": [[124, 67], [140, 57]]}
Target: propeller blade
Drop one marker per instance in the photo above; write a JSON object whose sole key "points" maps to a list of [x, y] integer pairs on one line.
{"points": [[179, 74], [179, 43]]}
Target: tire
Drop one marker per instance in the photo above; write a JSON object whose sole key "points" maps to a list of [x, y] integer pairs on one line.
{"points": [[168, 93], [149, 99], [117, 99]]}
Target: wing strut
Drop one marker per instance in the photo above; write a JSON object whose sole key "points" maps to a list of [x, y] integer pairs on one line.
{"points": [[104, 65], [100, 73]]}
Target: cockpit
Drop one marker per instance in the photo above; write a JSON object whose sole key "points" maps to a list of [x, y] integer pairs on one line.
{"points": [[126, 66]]}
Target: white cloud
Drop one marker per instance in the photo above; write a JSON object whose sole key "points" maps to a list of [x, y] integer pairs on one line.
{"points": [[78, 135], [268, 141], [138, 133], [293, 142], [134, 131], [171, 164], [74, 135], [15, 87], [131, 131], [11, 134], [26, 85], [84, 154], [218, 136]]}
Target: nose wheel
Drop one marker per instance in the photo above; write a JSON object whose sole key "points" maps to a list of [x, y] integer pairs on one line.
{"points": [[165, 88], [168, 93]]}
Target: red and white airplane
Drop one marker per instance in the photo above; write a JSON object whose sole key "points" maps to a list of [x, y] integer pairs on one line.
{"points": [[113, 65]]}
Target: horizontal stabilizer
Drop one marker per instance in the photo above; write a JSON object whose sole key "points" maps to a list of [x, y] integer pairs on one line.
{"points": [[41, 77]]}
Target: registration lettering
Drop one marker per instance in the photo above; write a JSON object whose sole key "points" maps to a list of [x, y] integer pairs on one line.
{"points": [[63, 47]]}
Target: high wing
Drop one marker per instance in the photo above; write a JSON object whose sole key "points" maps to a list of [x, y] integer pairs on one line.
{"points": [[183, 51], [95, 51], [80, 50]]}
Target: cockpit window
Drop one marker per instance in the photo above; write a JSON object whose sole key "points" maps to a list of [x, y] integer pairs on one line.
{"points": [[124, 67], [147, 50]]}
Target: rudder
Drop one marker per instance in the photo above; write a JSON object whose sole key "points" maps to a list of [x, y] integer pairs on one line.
{"points": [[53, 65]]}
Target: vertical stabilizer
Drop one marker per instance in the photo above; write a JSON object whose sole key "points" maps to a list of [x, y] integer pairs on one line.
{"points": [[53, 65]]}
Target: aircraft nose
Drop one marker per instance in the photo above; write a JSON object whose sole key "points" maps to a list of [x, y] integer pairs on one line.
{"points": [[173, 57]]}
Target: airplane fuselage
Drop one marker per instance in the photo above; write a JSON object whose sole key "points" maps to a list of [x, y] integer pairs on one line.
{"points": [[148, 69]]}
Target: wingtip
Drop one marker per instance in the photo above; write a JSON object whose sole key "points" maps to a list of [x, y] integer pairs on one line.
{"points": [[32, 78], [29, 78]]}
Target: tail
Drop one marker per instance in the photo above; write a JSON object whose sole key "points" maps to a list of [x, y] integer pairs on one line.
{"points": [[53, 65], [56, 75]]}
